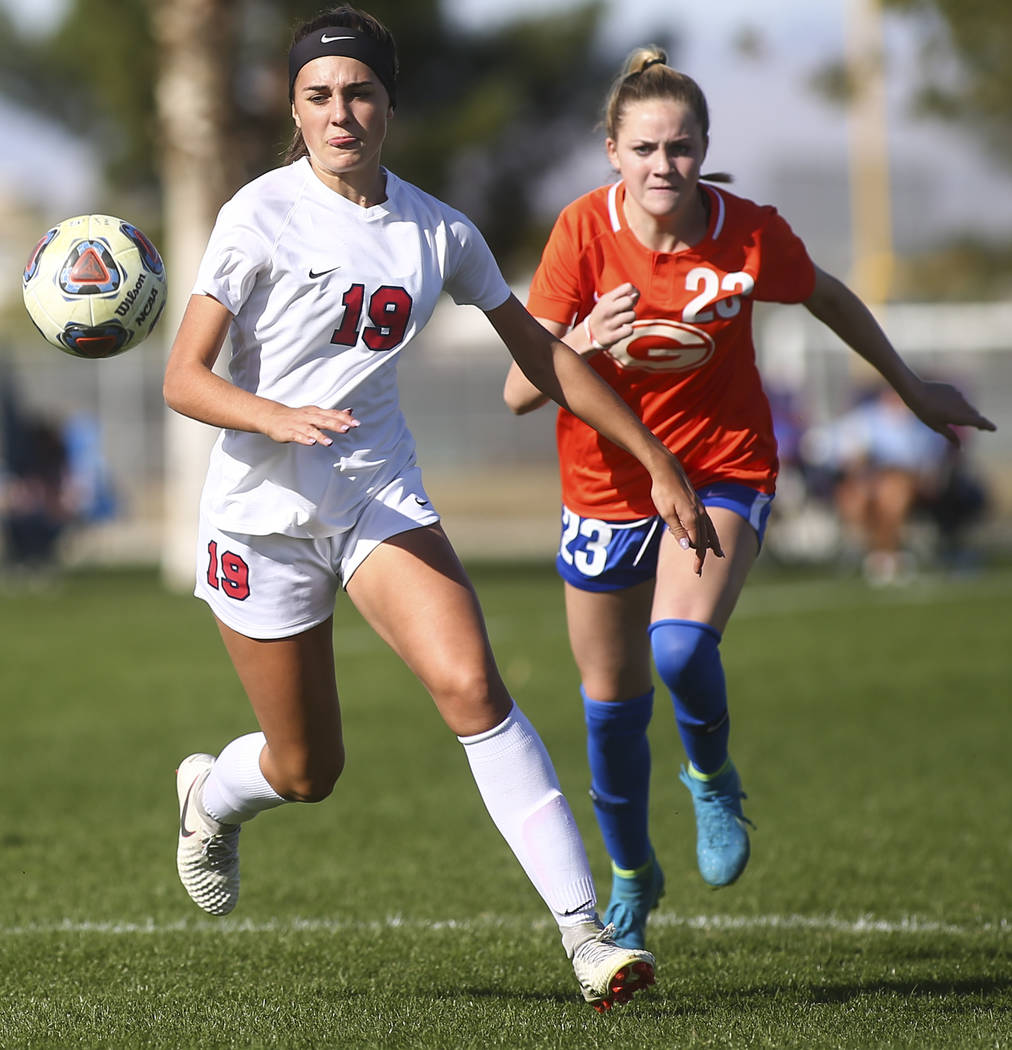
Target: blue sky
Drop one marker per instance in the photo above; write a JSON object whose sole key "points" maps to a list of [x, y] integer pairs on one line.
{"points": [[783, 144]]}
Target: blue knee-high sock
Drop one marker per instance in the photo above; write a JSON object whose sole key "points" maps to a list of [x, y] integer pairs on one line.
{"points": [[619, 756], [687, 657]]}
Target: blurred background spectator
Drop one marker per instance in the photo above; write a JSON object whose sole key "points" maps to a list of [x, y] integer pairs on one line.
{"points": [[886, 469], [52, 477]]}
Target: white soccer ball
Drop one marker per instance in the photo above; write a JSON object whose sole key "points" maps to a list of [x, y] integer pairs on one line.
{"points": [[94, 285]]}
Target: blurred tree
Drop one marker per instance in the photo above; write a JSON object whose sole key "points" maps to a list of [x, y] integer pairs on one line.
{"points": [[967, 269], [483, 116], [199, 166], [965, 72], [965, 77], [977, 88]]}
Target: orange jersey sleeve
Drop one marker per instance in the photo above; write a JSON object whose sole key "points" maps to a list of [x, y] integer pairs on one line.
{"points": [[688, 370]]}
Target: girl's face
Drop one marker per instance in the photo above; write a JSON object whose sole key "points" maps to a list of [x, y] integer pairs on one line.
{"points": [[658, 151], [342, 109]]}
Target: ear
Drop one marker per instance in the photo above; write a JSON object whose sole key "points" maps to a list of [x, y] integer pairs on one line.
{"points": [[612, 150], [295, 117]]}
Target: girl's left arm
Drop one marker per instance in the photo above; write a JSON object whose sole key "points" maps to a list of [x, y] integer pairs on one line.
{"points": [[939, 405]]}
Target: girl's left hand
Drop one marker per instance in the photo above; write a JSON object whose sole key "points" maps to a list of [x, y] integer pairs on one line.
{"points": [[683, 511], [941, 406]]}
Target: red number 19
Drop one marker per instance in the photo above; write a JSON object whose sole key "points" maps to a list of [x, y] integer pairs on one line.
{"points": [[229, 572], [389, 310]]}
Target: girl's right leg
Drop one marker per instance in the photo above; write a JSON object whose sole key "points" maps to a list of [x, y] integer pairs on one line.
{"points": [[273, 599], [292, 688], [297, 756], [609, 640]]}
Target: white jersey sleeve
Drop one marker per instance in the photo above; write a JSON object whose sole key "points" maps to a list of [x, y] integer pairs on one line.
{"points": [[236, 253], [474, 277]]}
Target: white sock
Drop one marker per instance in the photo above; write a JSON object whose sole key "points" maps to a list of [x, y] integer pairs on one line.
{"points": [[518, 785], [236, 790]]}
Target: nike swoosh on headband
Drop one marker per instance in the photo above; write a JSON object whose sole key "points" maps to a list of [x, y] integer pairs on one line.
{"points": [[330, 39]]}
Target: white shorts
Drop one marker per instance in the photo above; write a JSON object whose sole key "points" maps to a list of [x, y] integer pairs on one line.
{"points": [[275, 586]]}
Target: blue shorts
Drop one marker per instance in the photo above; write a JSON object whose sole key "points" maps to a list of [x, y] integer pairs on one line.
{"points": [[612, 555]]}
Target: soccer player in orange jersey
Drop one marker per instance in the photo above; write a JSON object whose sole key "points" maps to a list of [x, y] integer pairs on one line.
{"points": [[653, 279]]}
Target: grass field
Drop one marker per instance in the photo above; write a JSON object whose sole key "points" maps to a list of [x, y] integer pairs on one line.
{"points": [[873, 730]]}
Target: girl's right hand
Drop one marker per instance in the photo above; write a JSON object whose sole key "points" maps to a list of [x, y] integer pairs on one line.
{"points": [[308, 425], [612, 318]]}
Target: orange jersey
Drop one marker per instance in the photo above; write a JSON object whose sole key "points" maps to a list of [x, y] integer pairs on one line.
{"points": [[689, 370]]}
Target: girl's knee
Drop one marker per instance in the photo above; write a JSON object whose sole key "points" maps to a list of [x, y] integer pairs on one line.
{"points": [[472, 703], [310, 778]]}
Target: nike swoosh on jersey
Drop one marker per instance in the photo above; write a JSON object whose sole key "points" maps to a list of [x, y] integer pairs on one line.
{"points": [[330, 39], [319, 273], [183, 830]]}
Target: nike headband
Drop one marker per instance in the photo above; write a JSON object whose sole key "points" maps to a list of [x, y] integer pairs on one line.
{"points": [[345, 43]]}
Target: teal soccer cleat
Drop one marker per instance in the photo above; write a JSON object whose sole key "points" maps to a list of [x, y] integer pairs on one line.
{"points": [[722, 846], [633, 896]]}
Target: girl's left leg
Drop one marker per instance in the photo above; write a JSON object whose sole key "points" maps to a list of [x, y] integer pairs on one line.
{"points": [[687, 622], [416, 595]]}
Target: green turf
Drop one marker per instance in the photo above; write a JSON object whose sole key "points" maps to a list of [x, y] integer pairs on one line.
{"points": [[872, 729]]}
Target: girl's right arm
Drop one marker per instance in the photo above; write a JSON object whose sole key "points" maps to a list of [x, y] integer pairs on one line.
{"points": [[192, 388], [609, 321]]}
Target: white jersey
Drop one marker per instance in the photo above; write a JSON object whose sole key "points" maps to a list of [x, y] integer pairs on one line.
{"points": [[325, 295]]}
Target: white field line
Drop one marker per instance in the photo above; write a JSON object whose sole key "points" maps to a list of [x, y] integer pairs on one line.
{"points": [[813, 923]]}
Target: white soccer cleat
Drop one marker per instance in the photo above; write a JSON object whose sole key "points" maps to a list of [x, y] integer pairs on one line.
{"points": [[608, 973], [207, 857]]}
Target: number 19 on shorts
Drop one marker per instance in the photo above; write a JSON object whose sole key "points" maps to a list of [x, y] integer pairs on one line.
{"points": [[228, 573]]}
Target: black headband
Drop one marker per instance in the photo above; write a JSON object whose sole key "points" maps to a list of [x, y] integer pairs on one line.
{"points": [[344, 43]]}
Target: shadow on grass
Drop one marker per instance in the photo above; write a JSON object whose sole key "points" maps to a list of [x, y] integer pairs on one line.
{"points": [[952, 991]]}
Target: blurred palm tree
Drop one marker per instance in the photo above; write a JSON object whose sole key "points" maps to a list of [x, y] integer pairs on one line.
{"points": [[154, 83]]}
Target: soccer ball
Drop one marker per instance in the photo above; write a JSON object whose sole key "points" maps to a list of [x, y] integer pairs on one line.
{"points": [[94, 286]]}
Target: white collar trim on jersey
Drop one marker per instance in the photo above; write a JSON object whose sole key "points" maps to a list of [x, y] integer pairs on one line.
{"points": [[721, 210], [616, 222]]}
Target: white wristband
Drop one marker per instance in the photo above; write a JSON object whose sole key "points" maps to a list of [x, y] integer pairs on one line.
{"points": [[594, 344]]}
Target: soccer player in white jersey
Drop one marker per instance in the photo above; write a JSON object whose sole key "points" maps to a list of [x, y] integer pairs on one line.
{"points": [[322, 271]]}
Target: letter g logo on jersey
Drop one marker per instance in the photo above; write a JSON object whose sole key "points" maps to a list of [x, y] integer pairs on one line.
{"points": [[663, 346]]}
